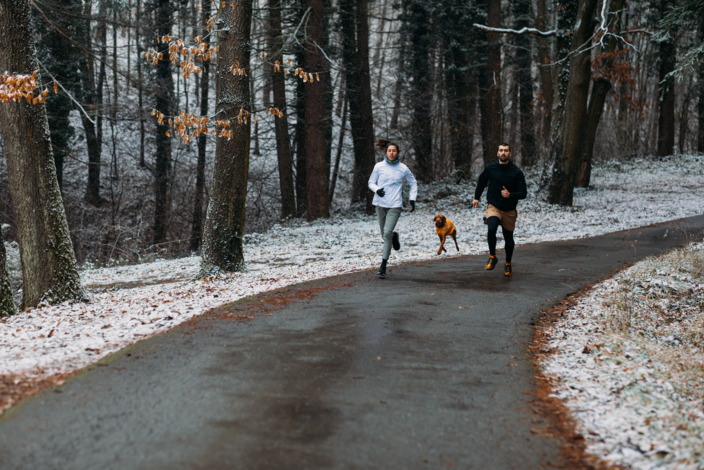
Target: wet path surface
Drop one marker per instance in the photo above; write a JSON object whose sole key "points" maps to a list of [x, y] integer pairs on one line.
{"points": [[426, 369]]}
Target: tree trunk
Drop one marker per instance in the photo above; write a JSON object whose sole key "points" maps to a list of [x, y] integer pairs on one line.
{"points": [[338, 156], [567, 153], [224, 224], [355, 53], [283, 143], [164, 104], [600, 89], [49, 272], [140, 87], [421, 90], [666, 108], [461, 98], [700, 103], [527, 146], [700, 89], [93, 101], [197, 220], [7, 303], [491, 87], [315, 126], [545, 71], [57, 52]]}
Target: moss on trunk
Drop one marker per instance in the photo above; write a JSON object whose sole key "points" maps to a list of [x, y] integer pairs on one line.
{"points": [[49, 271]]}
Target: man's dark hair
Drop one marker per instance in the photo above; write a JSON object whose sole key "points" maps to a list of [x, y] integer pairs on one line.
{"points": [[503, 144]]}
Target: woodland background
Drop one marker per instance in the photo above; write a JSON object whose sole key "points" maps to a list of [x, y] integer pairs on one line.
{"points": [[447, 80]]}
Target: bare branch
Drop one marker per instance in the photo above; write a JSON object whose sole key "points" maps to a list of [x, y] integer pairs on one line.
{"points": [[525, 30], [68, 93]]}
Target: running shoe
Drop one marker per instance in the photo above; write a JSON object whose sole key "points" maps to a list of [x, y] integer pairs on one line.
{"points": [[491, 264], [395, 242], [507, 270]]}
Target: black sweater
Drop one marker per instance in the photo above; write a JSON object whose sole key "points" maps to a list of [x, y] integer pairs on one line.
{"points": [[498, 176]]}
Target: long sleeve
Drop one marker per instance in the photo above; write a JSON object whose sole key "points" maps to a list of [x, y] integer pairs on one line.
{"points": [[413, 184], [481, 184], [374, 179]]}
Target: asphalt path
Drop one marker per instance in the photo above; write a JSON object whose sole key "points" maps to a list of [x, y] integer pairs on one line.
{"points": [[426, 369]]}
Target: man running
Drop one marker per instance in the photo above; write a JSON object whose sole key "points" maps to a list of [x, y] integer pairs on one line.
{"points": [[507, 185]]}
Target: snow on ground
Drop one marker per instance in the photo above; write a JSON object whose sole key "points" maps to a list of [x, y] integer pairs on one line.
{"points": [[629, 358], [129, 303]]}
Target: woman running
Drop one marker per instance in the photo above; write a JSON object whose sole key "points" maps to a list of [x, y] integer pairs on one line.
{"points": [[387, 183]]}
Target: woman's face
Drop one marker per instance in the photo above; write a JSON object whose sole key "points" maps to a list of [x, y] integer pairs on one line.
{"points": [[391, 152]]}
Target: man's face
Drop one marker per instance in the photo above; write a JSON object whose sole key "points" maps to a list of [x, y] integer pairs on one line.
{"points": [[504, 153]]}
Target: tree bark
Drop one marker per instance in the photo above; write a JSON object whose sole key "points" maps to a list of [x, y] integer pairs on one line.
{"points": [[49, 272], [666, 108], [224, 224], [164, 103], [491, 87], [566, 154], [700, 103], [315, 126], [93, 101], [197, 220], [600, 89], [545, 71], [340, 141], [525, 87], [7, 303], [355, 53], [140, 86], [57, 52], [283, 142], [421, 90], [458, 42]]}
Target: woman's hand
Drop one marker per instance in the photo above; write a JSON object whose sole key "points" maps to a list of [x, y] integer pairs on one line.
{"points": [[380, 192]]}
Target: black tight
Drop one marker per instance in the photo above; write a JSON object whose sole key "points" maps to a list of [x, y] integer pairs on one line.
{"points": [[493, 223]]}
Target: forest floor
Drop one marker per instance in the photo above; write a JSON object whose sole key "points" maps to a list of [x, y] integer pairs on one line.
{"points": [[42, 346]]}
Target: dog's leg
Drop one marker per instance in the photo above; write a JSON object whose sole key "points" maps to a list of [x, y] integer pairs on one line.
{"points": [[454, 237], [442, 243]]}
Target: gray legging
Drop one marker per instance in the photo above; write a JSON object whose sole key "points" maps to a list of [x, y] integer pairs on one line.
{"points": [[387, 216]]}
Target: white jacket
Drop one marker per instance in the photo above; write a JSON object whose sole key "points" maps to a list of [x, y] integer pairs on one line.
{"points": [[391, 178]]}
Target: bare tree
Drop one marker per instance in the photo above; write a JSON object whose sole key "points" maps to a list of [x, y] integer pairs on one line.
{"points": [[283, 144], [491, 87], [567, 149], [314, 97], [7, 303], [601, 85], [355, 53], [419, 32], [92, 98], [164, 105], [49, 272], [666, 107], [197, 220], [224, 223]]}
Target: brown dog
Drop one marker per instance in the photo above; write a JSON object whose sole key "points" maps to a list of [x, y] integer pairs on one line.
{"points": [[445, 228]]}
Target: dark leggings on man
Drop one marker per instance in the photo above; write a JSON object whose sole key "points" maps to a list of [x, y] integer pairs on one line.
{"points": [[493, 223]]}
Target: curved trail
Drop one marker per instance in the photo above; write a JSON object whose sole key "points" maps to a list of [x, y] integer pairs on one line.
{"points": [[428, 368]]}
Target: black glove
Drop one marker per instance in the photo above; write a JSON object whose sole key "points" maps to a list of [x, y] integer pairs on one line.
{"points": [[413, 205], [380, 192]]}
